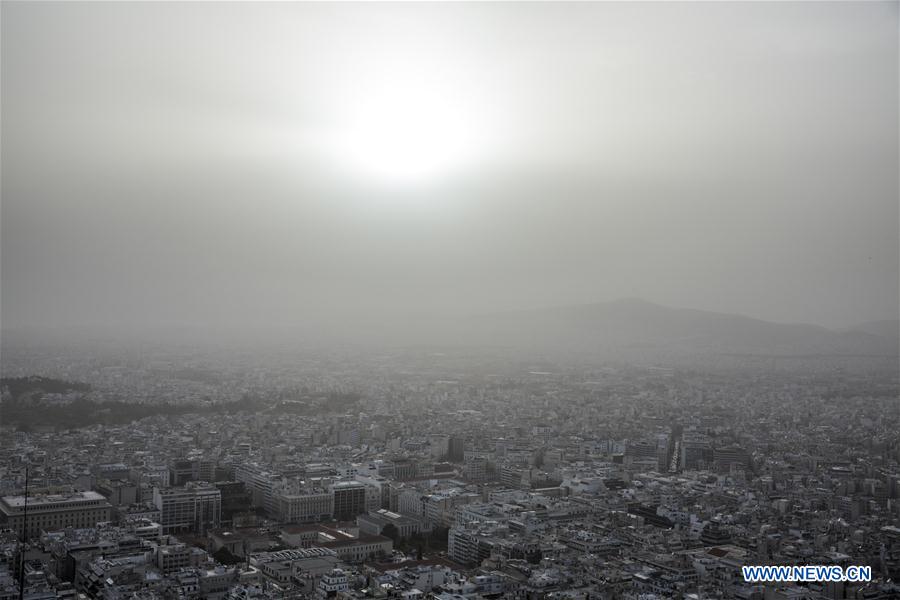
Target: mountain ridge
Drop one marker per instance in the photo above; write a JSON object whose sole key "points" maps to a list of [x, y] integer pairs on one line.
{"points": [[627, 328], [634, 322]]}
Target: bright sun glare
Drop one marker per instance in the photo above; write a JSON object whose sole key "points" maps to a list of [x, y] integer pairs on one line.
{"points": [[404, 134]]}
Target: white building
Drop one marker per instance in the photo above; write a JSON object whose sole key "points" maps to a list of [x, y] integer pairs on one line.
{"points": [[195, 507]]}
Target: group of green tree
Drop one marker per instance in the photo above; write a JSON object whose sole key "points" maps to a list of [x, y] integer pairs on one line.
{"points": [[419, 544]]}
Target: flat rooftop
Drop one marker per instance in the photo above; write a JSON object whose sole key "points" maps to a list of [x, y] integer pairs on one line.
{"points": [[47, 499]]}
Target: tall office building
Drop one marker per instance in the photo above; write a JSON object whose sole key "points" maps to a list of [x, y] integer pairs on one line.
{"points": [[260, 483], [195, 508], [456, 449], [696, 452], [235, 499], [728, 456], [349, 499], [196, 469]]}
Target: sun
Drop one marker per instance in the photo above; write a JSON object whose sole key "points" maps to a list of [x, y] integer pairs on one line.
{"points": [[407, 134]]}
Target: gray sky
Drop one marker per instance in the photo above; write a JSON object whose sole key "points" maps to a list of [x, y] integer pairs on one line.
{"points": [[250, 163]]}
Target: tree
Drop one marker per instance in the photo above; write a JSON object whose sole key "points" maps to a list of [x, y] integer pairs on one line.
{"points": [[224, 556], [390, 530]]}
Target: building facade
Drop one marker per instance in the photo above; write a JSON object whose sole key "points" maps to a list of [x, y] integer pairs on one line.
{"points": [[49, 512], [194, 508]]}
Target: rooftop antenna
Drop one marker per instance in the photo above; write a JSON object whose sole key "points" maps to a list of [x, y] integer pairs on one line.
{"points": [[21, 548]]}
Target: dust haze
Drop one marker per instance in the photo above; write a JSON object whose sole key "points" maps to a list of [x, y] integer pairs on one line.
{"points": [[184, 165]]}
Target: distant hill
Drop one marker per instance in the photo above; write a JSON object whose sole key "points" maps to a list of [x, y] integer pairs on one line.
{"points": [[629, 326], [889, 328]]}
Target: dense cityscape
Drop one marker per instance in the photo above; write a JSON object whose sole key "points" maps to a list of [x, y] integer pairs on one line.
{"points": [[447, 474], [476, 300]]}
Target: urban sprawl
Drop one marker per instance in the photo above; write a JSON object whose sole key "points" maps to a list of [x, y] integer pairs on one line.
{"points": [[443, 475]]}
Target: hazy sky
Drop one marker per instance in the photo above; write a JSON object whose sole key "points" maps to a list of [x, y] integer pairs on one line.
{"points": [[255, 163]]}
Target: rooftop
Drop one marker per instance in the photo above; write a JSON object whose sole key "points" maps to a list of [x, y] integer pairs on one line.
{"points": [[45, 499]]}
